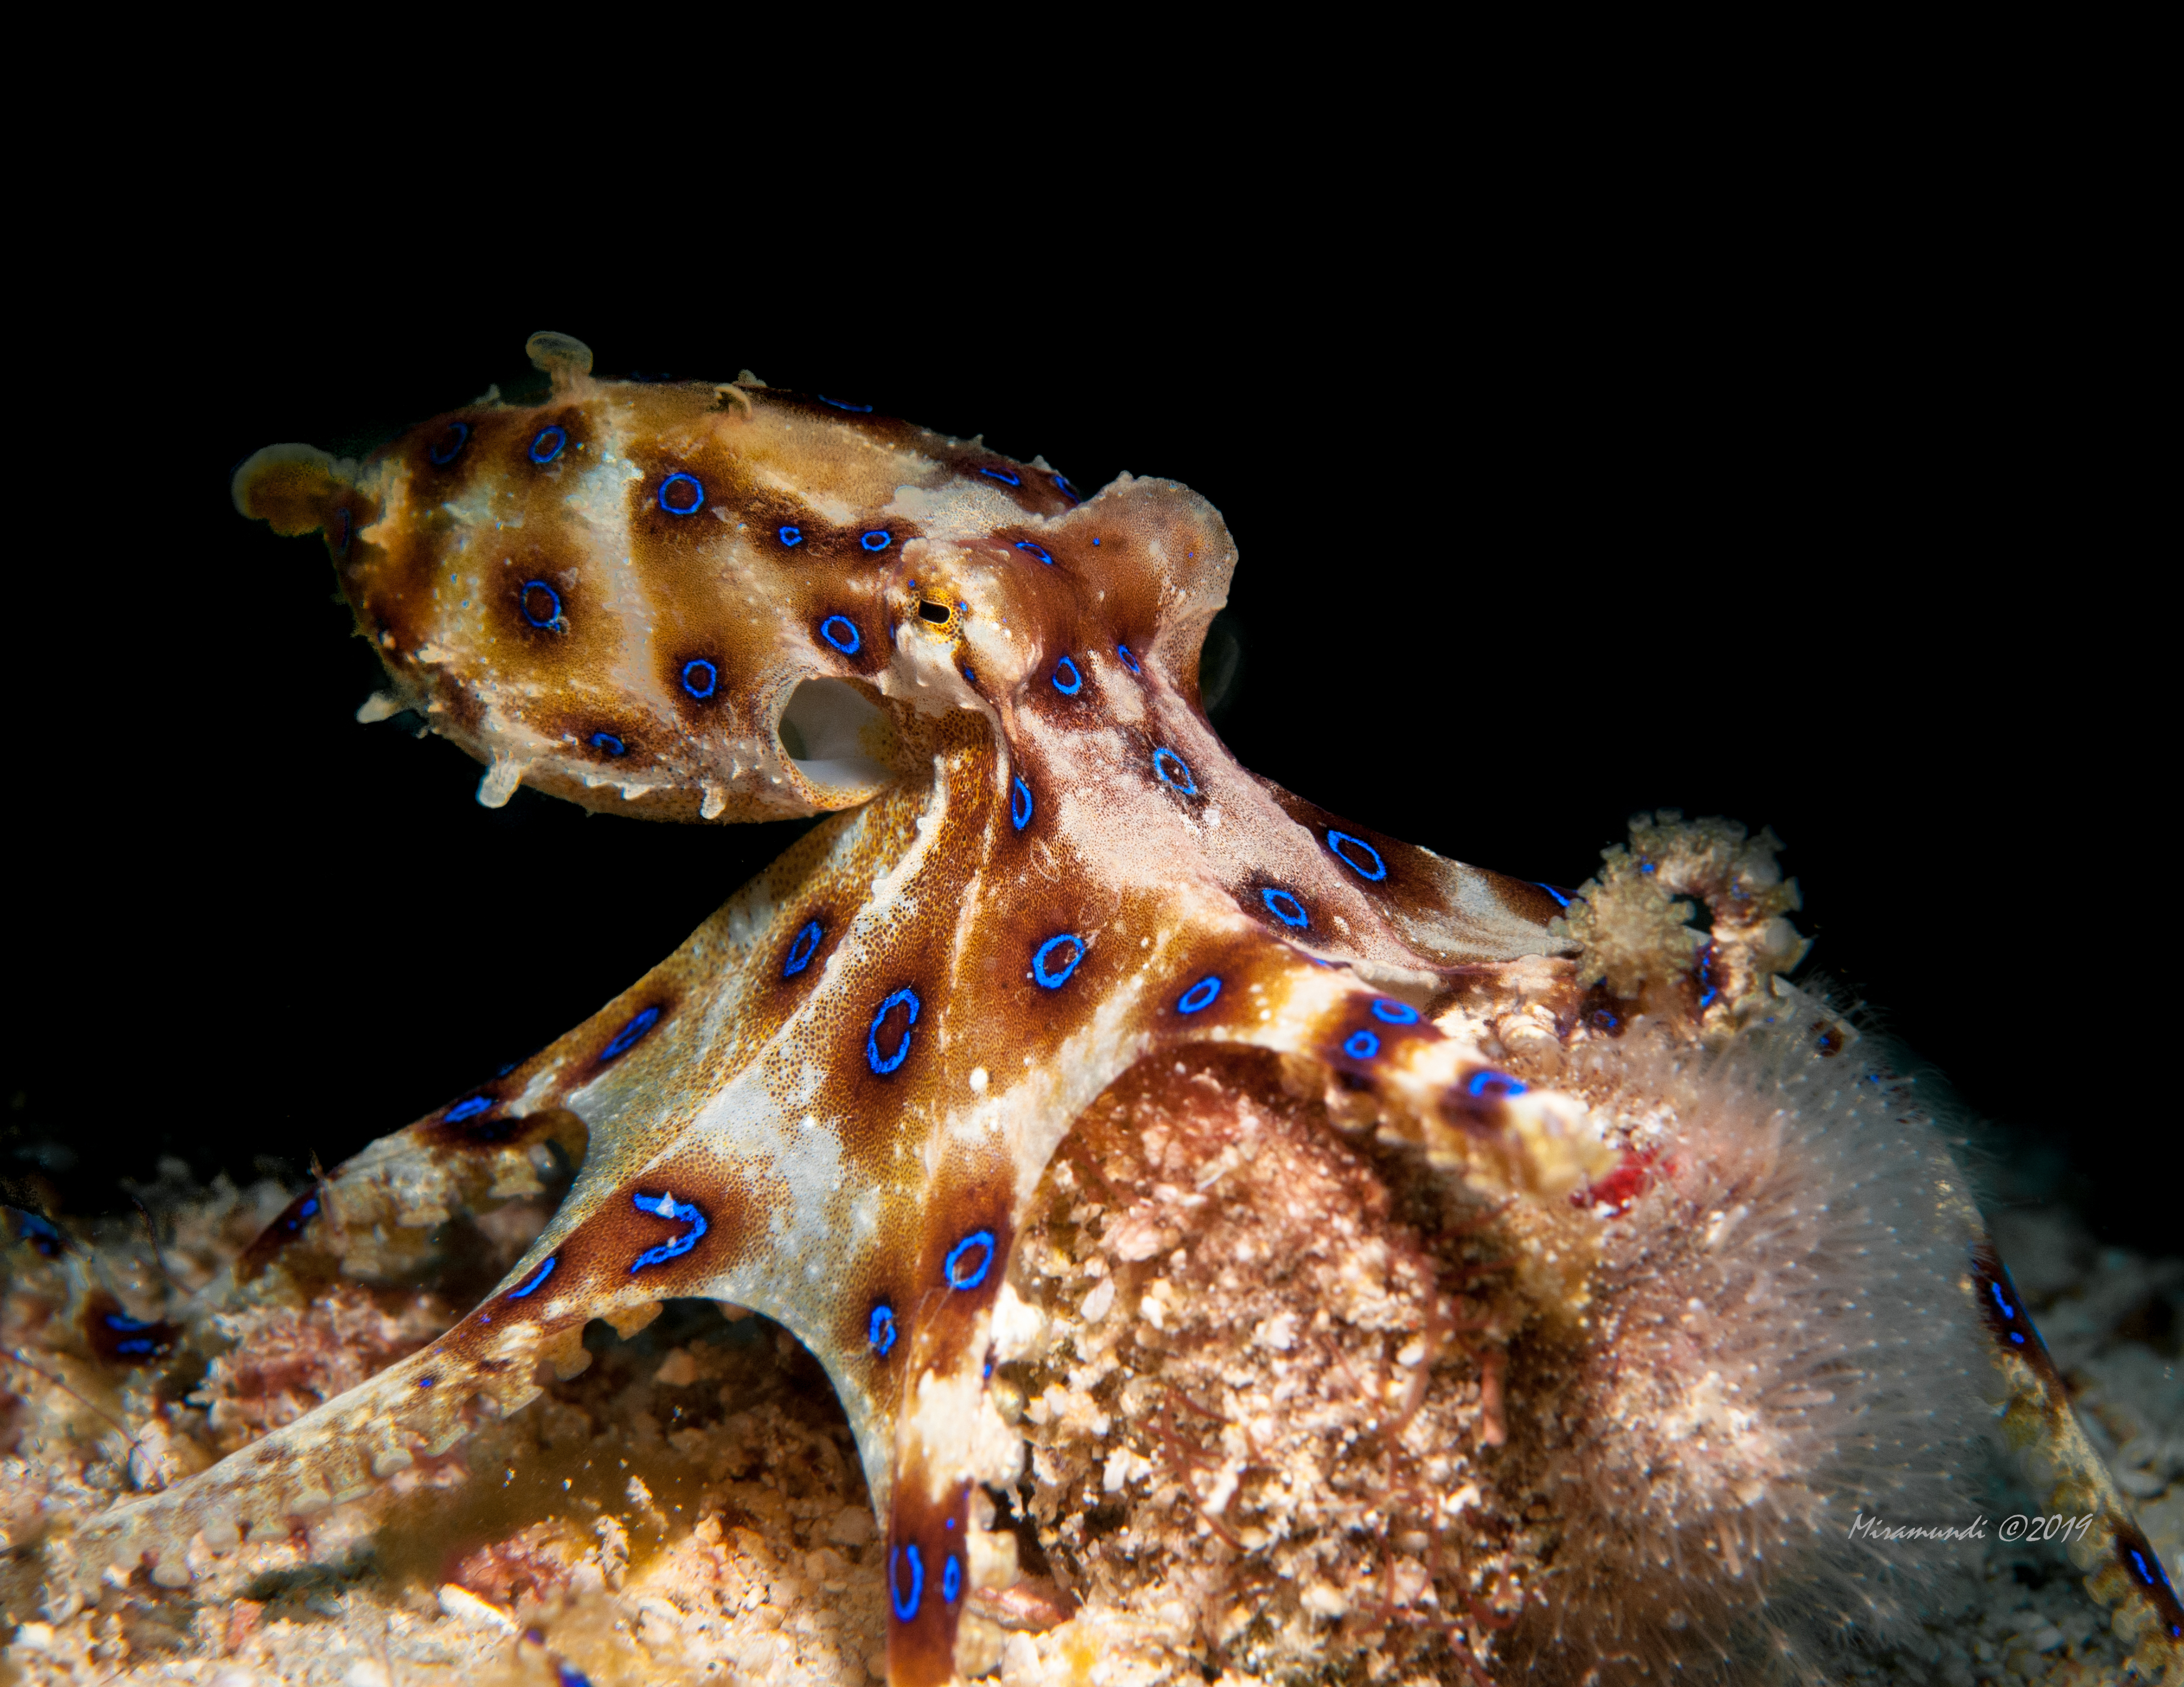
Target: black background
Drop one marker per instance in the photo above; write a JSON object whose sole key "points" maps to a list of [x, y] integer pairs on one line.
{"points": [[1775, 500]]}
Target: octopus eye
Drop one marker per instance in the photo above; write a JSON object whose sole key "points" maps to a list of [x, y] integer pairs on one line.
{"points": [[876, 541], [1285, 907], [451, 444], [938, 614], [969, 1261], [841, 633], [682, 494], [700, 678], [1359, 856], [791, 536], [548, 444], [542, 605]]}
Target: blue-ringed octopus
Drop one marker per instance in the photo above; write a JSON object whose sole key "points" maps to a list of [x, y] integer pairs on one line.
{"points": [[1043, 883]]}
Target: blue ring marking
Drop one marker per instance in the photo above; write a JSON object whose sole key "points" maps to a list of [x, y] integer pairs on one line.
{"points": [[1394, 1013], [426, 1382], [976, 1239], [700, 678], [1561, 900], [542, 452], [803, 949], [567, 1674], [951, 1579], [1000, 475], [1495, 1083], [878, 540], [2007, 1310], [1047, 979], [1061, 484], [1039, 551], [523, 598], [469, 1109], [1076, 680], [1376, 872], [883, 1067], [1188, 785], [861, 410], [695, 485], [905, 1609], [680, 1212], [791, 536], [881, 1332], [538, 1277], [1361, 1045], [608, 742], [1199, 995], [628, 1036], [1129, 660], [462, 438], [848, 641], [1020, 804], [1273, 896]]}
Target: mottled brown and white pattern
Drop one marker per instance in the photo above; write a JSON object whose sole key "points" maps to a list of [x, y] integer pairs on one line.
{"points": [[1044, 884]]}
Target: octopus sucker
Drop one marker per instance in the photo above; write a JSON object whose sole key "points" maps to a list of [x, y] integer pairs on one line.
{"points": [[1240, 1242]]}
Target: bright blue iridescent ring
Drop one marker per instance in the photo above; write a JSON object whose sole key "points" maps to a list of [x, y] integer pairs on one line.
{"points": [[546, 445], [877, 540], [1003, 475], [1020, 804], [677, 1212], [951, 1579], [884, 1064], [1394, 1013], [1174, 772], [1361, 1045], [607, 742], [1129, 660], [697, 494], [469, 1109], [1061, 484], [880, 1331], [1054, 978], [700, 678], [1494, 1084], [1075, 681], [546, 599], [802, 952], [791, 536], [1349, 848], [461, 431], [1039, 551], [538, 1277], [1199, 996], [627, 1038], [905, 1609], [960, 1275], [841, 633], [1284, 907]]}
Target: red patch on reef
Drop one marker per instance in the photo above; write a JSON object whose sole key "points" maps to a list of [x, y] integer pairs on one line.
{"points": [[1633, 1176]]}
